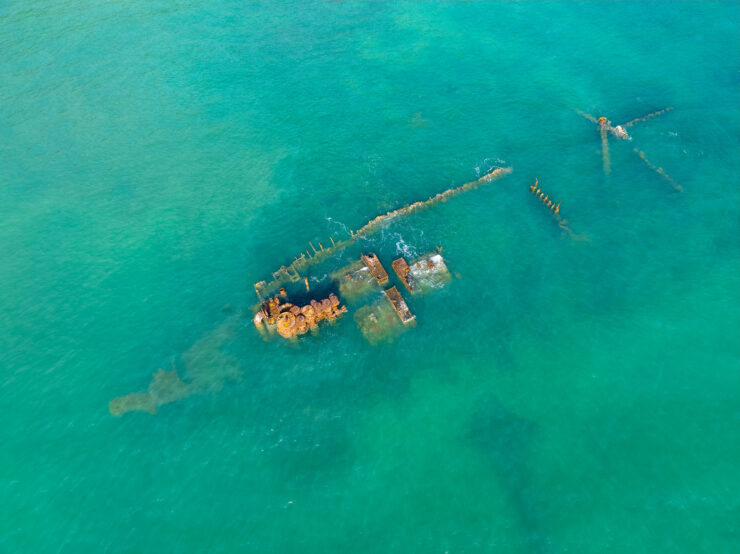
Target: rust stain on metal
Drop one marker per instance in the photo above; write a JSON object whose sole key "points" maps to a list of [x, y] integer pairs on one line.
{"points": [[291, 272], [399, 304], [555, 209], [376, 268], [290, 320], [403, 271]]}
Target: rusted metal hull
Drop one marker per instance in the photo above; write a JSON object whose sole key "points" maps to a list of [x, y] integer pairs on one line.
{"points": [[403, 271], [399, 304], [290, 320], [376, 268]]}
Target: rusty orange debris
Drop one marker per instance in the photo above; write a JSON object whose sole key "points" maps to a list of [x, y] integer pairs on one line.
{"points": [[402, 269], [290, 273], [290, 320], [376, 268], [399, 304]]}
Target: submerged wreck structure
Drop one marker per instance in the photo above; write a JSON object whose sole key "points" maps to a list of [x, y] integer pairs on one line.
{"points": [[366, 277], [207, 365], [620, 132], [355, 281], [376, 268], [399, 304], [555, 209], [359, 279], [292, 272], [290, 320], [389, 314], [424, 274]]}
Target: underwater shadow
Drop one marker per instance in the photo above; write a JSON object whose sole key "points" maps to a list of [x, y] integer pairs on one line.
{"points": [[506, 441]]}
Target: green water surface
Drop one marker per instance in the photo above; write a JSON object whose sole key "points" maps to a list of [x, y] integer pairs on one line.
{"points": [[158, 158]]}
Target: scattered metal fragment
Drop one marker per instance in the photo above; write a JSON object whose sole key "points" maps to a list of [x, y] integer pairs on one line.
{"points": [[403, 271], [535, 189], [376, 268], [562, 222], [399, 304]]}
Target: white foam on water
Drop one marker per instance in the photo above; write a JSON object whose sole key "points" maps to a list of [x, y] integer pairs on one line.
{"points": [[335, 223], [490, 163], [404, 249]]}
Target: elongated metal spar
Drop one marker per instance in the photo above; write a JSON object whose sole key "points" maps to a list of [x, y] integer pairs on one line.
{"points": [[658, 170], [292, 271], [605, 149], [646, 117]]}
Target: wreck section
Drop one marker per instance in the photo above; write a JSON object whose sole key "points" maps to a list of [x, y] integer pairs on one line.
{"points": [[399, 304], [429, 273], [376, 268], [403, 271], [381, 321], [291, 273], [378, 322], [357, 279], [354, 281], [208, 368], [290, 319]]}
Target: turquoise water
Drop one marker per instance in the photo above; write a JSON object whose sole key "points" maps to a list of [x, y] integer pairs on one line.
{"points": [[158, 158]]}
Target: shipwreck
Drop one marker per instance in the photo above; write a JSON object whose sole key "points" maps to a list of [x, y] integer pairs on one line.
{"points": [[275, 314]]}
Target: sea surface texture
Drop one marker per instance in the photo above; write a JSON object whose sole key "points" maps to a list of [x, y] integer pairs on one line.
{"points": [[566, 392]]}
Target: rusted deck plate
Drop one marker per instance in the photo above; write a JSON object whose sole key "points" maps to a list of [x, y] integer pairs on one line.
{"points": [[403, 271], [355, 281], [430, 273], [399, 304], [376, 268]]}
